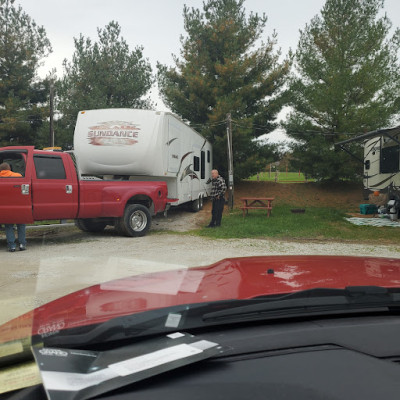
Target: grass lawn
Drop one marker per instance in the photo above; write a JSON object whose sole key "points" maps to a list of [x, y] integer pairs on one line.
{"points": [[317, 223], [282, 177]]}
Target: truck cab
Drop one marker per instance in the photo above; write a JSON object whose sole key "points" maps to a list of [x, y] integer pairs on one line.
{"points": [[47, 188]]}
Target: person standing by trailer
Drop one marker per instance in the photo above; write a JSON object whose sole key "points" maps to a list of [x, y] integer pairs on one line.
{"points": [[218, 190], [5, 172]]}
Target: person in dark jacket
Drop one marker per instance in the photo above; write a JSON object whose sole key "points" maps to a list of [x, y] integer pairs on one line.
{"points": [[5, 172], [218, 190]]}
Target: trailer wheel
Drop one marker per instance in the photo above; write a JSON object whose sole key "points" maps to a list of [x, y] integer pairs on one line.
{"points": [[201, 202], [195, 205], [135, 222], [89, 225]]}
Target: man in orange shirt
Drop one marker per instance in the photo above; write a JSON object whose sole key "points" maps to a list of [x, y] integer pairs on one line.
{"points": [[5, 172]]}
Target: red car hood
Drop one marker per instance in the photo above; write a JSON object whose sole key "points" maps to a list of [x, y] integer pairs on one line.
{"points": [[235, 278]]}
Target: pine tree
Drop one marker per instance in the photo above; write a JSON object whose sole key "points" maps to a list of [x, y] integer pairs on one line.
{"points": [[346, 81], [23, 95], [102, 74], [221, 71]]}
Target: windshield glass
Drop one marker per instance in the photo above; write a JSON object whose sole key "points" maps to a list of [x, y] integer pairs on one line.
{"points": [[163, 164]]}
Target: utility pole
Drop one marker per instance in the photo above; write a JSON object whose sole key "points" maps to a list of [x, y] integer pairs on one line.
{"points": [[51, 113], [230, 159]]}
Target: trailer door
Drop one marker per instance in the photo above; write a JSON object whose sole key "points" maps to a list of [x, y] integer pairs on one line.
{"points": [[202, 165], [195, 181], [389, 160]]}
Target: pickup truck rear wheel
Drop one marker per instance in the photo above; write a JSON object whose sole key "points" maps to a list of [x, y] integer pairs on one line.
{"points": [[89, 225], [135, 222]]}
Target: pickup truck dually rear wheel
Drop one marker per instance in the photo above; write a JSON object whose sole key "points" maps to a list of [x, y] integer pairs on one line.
{"points": [[89, 225], [136, 221]]}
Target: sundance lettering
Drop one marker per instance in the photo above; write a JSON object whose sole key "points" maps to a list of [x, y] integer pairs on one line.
{"points": [[127, 134]]}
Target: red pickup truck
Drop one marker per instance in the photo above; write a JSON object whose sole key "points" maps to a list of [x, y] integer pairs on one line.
{"points": [[50, 189]]}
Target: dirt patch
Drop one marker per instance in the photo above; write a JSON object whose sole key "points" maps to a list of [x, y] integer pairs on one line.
{"points": [[345, 196], [179, 219]]}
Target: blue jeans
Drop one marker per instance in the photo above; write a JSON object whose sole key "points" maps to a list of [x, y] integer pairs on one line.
{"points": [[11, 237]]}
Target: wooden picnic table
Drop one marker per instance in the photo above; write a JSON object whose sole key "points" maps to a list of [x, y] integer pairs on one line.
{"points": [[257, 203]]}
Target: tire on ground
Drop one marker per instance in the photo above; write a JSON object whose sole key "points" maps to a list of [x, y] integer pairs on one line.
{"points": [[90, 225], [195, 205], [201, 202], [135, 222]]}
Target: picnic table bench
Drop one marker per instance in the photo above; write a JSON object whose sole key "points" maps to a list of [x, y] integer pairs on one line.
{"points": [[256, 203]]}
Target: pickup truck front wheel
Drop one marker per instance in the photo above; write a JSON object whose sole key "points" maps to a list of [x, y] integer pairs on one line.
{"points": [[135, 222], [89, 225]]}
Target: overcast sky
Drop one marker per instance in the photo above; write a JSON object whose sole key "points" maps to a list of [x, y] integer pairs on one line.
{"points": [[157, 24]]}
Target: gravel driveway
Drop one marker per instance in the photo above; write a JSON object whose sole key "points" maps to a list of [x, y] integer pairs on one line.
{"points": [[61, 260]]}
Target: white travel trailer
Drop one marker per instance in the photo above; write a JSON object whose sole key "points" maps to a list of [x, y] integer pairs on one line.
{"points": [[381, 162], [144, 145]]}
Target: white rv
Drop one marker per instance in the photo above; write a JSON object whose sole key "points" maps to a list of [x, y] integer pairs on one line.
{"points": [[144, 145], [381, 163]]}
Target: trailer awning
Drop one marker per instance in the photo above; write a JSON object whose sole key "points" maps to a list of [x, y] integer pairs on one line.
{"points": [[389, 132]]}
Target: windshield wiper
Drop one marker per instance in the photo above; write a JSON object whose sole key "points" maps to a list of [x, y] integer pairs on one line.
{"points": [[142, 324], [313, 301], [320, 301]]}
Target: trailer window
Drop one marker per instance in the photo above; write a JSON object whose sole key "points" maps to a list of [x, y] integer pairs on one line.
{"points": [[389, 159], [196, 163], [49, 167], [208, 156], [203, 165]]}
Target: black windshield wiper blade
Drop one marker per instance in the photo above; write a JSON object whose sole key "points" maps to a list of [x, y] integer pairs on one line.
{"points": [[138, 324], [141, 324], [198, 315], [313, 301]]}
